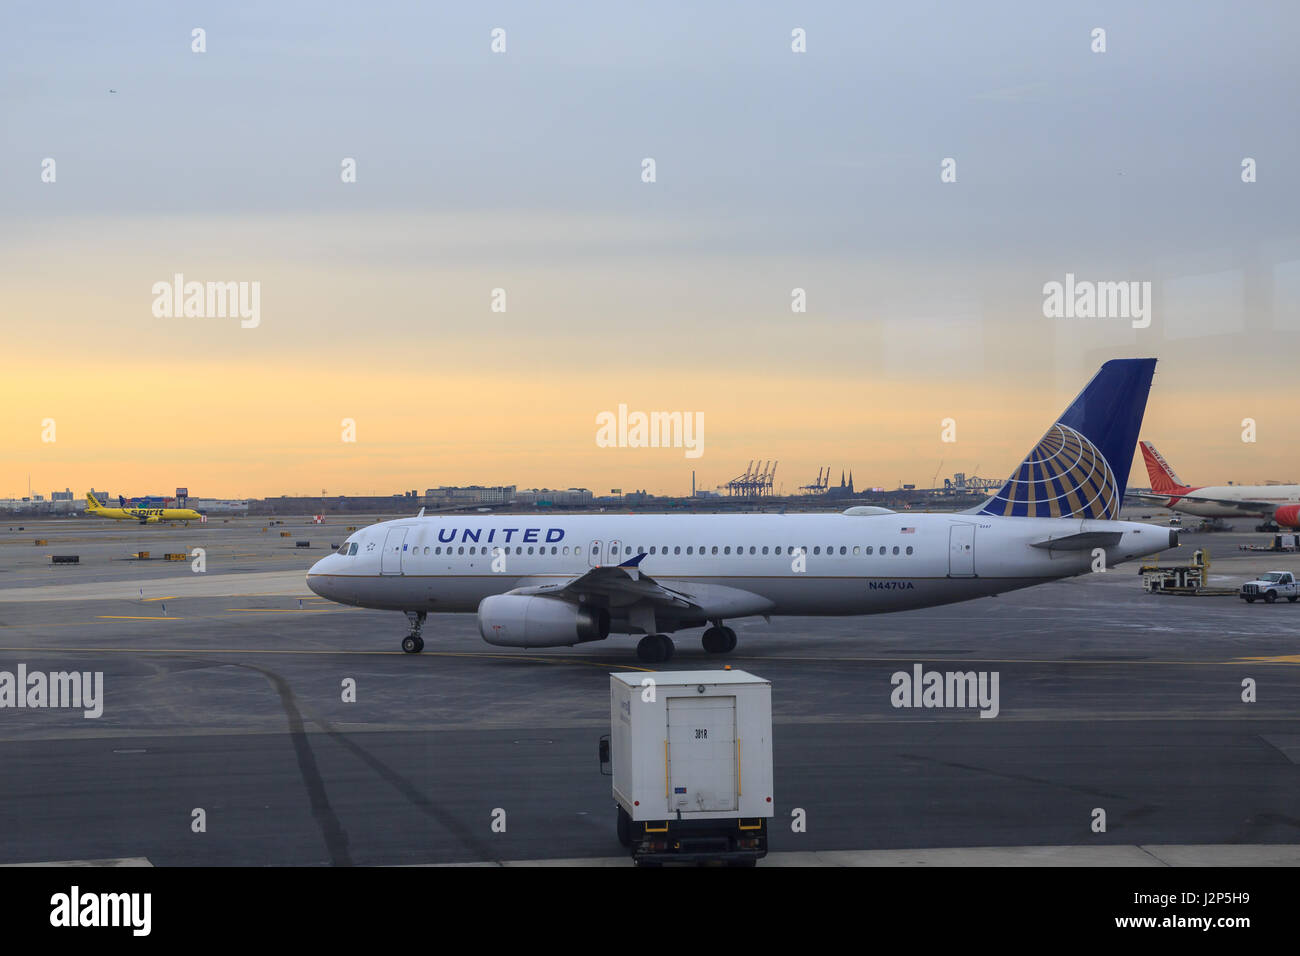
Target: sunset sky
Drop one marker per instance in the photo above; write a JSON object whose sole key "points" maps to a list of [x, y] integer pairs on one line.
{"points": [[522, 171]]}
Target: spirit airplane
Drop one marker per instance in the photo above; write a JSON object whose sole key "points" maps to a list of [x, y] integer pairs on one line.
{"points": [[142, 515]]}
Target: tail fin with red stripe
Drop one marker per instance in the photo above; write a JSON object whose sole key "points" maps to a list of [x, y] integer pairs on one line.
{"points": [[1163, 479]]}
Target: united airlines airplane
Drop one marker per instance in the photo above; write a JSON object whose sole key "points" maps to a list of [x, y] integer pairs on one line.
{"points": [[548, 581]]}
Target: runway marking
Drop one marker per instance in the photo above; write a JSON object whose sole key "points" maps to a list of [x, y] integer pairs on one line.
{"points": [[121, 861], [124, 617], [993, 660], [170, 597], [1292, 659], [255, 650]]}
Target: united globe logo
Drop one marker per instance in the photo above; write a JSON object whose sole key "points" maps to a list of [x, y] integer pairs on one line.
{"points": [[1064, 476]]}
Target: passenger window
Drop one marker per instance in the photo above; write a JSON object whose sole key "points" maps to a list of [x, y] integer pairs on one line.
{"points": [[909, 549], [765, 549], [752, 549], [677, 549], [816, 550], [530, 549], [690, 550], [870, 549], [566, 549], [577, 550], [843, 550], [461, 549], [856, 549], [777, 549], [715, 549], [726, 550], [895, 549]]}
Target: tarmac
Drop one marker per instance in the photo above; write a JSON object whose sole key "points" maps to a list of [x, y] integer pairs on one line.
{"points": [[224, 693]]}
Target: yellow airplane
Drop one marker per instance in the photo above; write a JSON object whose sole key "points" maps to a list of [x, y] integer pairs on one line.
{"points": [[142, 515]]}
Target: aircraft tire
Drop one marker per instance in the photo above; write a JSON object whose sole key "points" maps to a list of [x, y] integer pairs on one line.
{"points": [[714, 641], [412, 644], [731, 639], [649, 650]]}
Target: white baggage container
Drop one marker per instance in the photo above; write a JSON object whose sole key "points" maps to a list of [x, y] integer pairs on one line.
{"points": [[691, 754]]}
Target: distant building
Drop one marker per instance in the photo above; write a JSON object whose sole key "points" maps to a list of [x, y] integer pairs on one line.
{"points": [[475, 494], [546, 497]]}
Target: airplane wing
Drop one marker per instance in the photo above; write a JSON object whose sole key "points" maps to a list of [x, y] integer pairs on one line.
{"points": [[1150, 496], [625, 586], [1243, 505], [621, 584]]}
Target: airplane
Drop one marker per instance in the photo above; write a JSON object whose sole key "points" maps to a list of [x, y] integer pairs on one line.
{"points": [[1281, 503], [142, 515], [550, 581]]}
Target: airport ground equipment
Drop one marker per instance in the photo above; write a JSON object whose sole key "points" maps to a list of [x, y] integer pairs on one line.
{"points": [[1270, 587], [65, 559], [690, 753], [1183, 579], [1283, 543]]}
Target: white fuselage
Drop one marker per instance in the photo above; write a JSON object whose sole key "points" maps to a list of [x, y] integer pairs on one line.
{"points": [[730, 565]]}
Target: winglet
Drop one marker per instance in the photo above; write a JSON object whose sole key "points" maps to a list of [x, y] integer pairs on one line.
{"points": [[633, 562]]}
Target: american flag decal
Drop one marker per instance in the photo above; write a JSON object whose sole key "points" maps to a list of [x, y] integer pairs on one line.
{"points": [[908, 531]]}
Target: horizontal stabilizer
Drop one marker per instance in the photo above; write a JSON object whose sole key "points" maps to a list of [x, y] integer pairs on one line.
{"points": [[868, 510], [1083, 541]]}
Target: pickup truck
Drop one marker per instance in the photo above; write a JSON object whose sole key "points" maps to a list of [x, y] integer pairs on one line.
{"points": [[1270, 587]]}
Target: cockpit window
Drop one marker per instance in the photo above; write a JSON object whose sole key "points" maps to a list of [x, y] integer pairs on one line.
{"points": [[343, 549], [353, 549]]}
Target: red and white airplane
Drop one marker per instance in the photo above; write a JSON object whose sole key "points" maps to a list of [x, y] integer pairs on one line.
{"points": [[1281, 503]]}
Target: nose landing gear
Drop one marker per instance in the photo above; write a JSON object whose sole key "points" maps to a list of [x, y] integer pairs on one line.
{"points": [[413, 643]]}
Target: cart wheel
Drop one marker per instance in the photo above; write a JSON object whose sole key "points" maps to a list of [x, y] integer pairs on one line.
{"points": [[624, 828]]}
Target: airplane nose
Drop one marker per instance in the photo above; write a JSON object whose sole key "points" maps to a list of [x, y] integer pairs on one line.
{"points": [[315, 581]]}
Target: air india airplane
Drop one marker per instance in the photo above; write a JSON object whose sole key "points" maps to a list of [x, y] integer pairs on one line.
{"points": [[1278, 502], [142, 515], [554, 580]]}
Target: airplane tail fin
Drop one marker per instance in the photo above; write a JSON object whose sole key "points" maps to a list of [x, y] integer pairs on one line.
{"points": [[1079, 469], [1163, 479], [92, 501]]}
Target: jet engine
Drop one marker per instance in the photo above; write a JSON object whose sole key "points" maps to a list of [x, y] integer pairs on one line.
{"points": [[516, 620], [1288, 516]]}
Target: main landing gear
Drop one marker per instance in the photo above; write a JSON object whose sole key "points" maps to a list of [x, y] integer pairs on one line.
{"points": [[655, 648], [413, 643], [719, 640]]}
